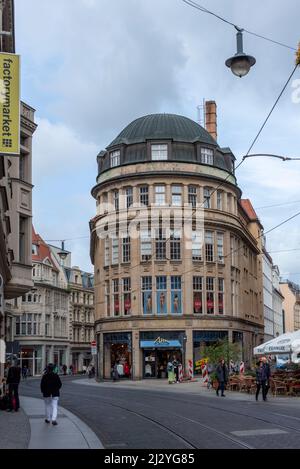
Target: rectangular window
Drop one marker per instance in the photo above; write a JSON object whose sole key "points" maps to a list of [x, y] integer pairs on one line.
{"points": [[159, 152], [146, 245], [147, 295], [175, 245], [220, 247], [127, 296], [107, 298], [207, 156], [106, 254], [160, 195], [129, 197], [22, 167], [114, 158], [221, 295], [115, 250], [177, 195], [161, 282], [161, 294], [126, 249], [219, 200], [209, 246], [116, 303], [207, 196], [192, 196], [116, 199], [197, 295], [176, 294], [160, 245], [210, 295], [22, 239], [197, 241], [144, 195]]}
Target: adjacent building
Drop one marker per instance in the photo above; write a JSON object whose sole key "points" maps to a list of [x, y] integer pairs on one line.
{"points": [[15, 211], [291, 305], [176, 253], [278, 299]]}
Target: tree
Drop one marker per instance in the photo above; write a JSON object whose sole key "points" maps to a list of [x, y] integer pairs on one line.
{"points": [[222, 349]]}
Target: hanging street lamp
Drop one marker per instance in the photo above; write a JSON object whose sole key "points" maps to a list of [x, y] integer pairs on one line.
{"points": [[240, 63]]}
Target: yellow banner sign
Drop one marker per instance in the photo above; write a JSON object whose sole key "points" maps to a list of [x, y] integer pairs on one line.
{"points": [[9, 104]]}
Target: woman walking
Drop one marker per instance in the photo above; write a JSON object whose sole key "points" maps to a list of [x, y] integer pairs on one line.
{"points": [[50, 386], [261, 380], [222, 376]]}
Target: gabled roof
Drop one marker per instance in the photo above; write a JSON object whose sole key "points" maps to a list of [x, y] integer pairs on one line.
{"points": [[43, 251], [248, 208]]}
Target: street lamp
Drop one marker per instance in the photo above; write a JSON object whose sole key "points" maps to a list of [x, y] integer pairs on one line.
{"points": [[283, 158], [62, 254], [240, 63]]}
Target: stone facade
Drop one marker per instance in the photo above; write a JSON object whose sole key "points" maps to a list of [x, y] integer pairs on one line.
{"points": [[155, 289], [291, 305]]}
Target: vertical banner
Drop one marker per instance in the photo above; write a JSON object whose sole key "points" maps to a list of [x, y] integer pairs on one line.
{"points": [[176, 302], [9, 104], [161, 302], [147, 302]]}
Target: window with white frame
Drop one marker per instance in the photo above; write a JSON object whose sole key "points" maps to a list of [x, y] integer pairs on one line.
{"points": [[220, 200], [197, 246], [207, 196], [207, 156], [144, 195], [176, 294], [209, 246], [176, 195], [175, 245], [220, 247], [210, 295], [197, 295], [160, 195], [192, 196], [107, 297], [126, 249], [115, 250], [129, 196], [127, 296], [146, 287], [146, 245], [159, 152], [160, 245], [116, 298], [114, 158]]}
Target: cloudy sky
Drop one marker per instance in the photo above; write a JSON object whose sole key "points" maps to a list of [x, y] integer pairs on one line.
{"points": [[89, 67]]}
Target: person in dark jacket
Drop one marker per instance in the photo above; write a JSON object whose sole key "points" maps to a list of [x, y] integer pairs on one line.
{"points": [[50, 386], [13, 381], [261, 380], [222, 376], [268, 375]]}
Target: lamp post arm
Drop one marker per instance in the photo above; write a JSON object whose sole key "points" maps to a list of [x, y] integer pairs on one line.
{"points": [[283, 158]]}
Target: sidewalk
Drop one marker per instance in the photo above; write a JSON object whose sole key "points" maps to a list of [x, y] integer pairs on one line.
{"points": [[195, 388], [27, 429]]}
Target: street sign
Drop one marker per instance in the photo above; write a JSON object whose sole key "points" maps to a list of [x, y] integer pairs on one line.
{"points": [[93, 343], [94, 350]]}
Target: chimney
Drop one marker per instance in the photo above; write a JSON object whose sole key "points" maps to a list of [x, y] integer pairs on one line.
{"points": [[211, 118]]}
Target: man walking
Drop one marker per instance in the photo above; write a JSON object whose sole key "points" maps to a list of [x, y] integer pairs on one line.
{"points": [[50, 386], [13, 381], [222, 376], [261, 379], [268, 375]]}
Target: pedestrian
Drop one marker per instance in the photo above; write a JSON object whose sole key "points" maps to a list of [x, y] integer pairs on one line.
{"points": [[13, 381], [176, 368], [268, 375], [24, 372], [71, 369], [115, 373], [261, 380], [64, 367], [50, 386], [84, 369], [171, 374], [222, 377]]}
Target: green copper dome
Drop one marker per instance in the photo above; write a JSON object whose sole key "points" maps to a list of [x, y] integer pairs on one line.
{"points": [[163, 126]]}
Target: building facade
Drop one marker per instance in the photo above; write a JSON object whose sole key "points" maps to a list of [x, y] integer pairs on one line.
{"points": [[277, 302], [15, 210], [291, 305], [81, 286], [176, 254]]}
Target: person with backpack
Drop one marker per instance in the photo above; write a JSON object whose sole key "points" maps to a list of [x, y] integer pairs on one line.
{"points": [[13, 381], [50, 386]]}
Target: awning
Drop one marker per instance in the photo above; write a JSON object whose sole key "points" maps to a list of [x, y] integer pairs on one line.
{"points": [[163, 344], [288, 343]]}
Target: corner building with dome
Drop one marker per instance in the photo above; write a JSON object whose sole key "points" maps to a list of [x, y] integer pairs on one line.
{"points": [[156, 295]]}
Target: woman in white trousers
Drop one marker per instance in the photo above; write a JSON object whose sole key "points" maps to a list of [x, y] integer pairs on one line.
{"points": [[50, 386]]}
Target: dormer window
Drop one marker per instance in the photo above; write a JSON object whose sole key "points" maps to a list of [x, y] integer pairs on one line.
{"points": [[207, 156], [159, 152], [114, 158]]}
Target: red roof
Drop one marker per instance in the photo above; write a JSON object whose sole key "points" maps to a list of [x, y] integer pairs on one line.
{"points": [[43, 250], [248, 208]]}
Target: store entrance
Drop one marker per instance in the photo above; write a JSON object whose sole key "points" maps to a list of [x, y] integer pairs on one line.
{"points": [[156, 362]]}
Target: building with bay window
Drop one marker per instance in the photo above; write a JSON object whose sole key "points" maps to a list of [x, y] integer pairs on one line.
{"points": [[175, 251]]}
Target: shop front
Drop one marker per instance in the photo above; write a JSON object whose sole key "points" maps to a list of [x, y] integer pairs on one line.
{"points": [[202, 339], [158, 348], [117, 350], [31, 357]]}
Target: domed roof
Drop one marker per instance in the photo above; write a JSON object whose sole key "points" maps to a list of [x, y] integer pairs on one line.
{"points": [[163, 126]]}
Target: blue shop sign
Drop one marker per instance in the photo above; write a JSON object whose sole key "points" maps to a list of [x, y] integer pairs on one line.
{"points": [[162, 343]]}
